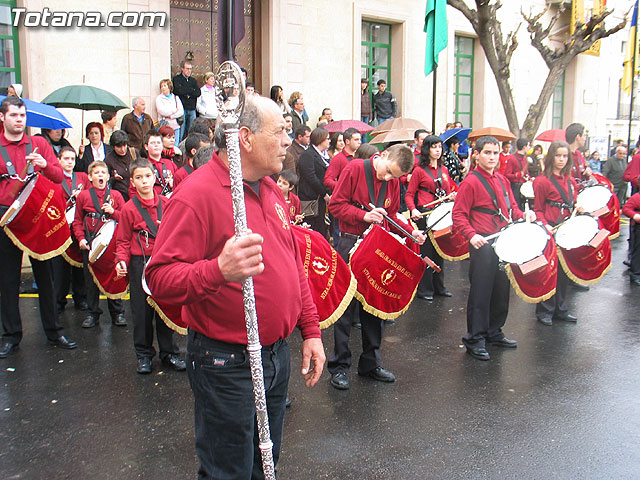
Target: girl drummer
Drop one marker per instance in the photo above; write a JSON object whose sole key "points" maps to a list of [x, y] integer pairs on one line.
{"points": [[429, 182], [555, 196]]}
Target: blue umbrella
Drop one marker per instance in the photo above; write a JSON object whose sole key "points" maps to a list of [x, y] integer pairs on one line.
{"points": [[460, 133], [41, 115]]}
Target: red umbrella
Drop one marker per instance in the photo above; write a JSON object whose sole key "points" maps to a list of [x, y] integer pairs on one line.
{"points": [[342, 125], [557, 134]]}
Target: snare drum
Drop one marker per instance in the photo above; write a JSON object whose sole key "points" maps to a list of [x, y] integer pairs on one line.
{"points": [[521, 242], [526, 189], [102, 240], [440, 218], [71, 213], [102, 262], [594, 198], [576, 232]]}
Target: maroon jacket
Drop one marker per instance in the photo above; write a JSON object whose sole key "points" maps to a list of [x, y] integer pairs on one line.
{"points": [[517, 168], [181, 174], [545, 192], [295, 208], [84, 205], [632, 172], [420, 178], [131, 223], [184, 268], [336, 165], [170, 170], [82, 181], [632, 206]]}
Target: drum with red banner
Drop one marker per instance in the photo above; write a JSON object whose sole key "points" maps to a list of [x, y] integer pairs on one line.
{"points": [[35, 222], [331, 283], [530, 260], [102, 262], [449, 244], [171, 315], [387, 272], [610, 211], [584, 249]]}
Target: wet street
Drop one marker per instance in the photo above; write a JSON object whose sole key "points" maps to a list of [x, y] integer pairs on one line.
{"points": [[564, 405]]}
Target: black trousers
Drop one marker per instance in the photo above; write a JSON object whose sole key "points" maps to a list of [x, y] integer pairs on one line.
{"points": [[116, 307], [63, 275], [488, 303], [144, 315], [515, 188], [372, 329], [10, 269], [635, 251], [432, 282], [556, 306]]}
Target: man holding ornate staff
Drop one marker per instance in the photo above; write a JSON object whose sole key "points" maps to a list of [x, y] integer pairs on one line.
{"points": [[199, 264]]}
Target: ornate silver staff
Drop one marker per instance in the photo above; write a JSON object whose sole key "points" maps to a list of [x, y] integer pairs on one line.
{"points": [[230, 95]]}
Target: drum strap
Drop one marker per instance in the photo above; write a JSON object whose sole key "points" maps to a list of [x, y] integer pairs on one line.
{"points": [[567, 202], [520, 159], [144, 213], [11, 168], [368, 171], [74, 184], [438, 183], [188, 168], [161, 177], [497, 212], [100, 213]]}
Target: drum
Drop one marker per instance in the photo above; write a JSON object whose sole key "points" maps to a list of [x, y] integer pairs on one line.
{"points": [[70, 213], [102, 262], [35, 221], [526, 189], [611, 220], [530, 258], [331, 283], [387, 273], [584, 249], [594, 198], [449, 244], [72, 255], [171, 315]]}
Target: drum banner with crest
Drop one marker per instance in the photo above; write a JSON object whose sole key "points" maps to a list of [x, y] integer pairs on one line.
{"points": [[610, 220], [387, 273], [331, 283], [103, 271], [586, 265], [540, 284], [40, 228], [171, 315], [72, 254], [452, 246]]}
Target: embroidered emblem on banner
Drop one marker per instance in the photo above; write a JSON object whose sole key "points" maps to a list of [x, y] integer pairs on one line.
{"points": [[388, 276], [53, 213], [320, 265]]}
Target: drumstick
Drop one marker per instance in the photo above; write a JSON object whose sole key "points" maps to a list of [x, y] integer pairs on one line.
{"points": [[438, 200], [14, 189]]}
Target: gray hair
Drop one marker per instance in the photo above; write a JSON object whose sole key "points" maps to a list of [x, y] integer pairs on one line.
{"points": [[134, 101], [251, 118]]}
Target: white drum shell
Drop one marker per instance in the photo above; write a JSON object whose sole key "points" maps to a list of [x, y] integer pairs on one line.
{"points": [[526, 189], [576, 232], [593, 198], [521, 242], [442, 211], [102, 239]]}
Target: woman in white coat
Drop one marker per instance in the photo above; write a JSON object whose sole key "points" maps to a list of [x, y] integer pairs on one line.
{"points": [[207, 107], [169, 107]]}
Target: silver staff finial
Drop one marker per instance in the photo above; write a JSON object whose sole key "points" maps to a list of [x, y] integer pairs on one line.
{"points": [[230, 92]]}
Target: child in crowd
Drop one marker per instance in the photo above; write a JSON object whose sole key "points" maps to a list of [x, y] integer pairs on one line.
{"points": [[287, 181], [93, 207], [138, 225], [163, 168]]}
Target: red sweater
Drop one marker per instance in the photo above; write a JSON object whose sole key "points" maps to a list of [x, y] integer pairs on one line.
{"points": [[82, 182], [517, 168], [131, 223], [294, 206], [16, 150], [505, 158], [579, 165], [632, 172], [472, 194], [545, 190], [632, 206], [84, 205], [180, 175], [184, 269], [420, 178], [336, 165], [170, 171], [352, 188]]}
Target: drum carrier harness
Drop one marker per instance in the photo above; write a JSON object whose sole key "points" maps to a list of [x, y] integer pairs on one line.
{"points": [[99, 215], [497, 212], [152, 227], [378, 202], [11, 168], [438, 182], [566, 204]]}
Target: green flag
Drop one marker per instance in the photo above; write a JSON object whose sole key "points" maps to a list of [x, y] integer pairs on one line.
{"points": [[435, 24]]}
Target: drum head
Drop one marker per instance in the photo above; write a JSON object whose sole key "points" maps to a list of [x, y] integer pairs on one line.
{"points": [[105, 234], [441, 216], [521, 242], [593, 198], [70, 214], [576, 232], [526, 189]]}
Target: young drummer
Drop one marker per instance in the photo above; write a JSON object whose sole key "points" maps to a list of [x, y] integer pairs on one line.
{"points": [[63, 272], [138, 225], [484, 204], [163, 168], [383, 171], [93, 206], [192, 144], [555, 196], [287, 181]]}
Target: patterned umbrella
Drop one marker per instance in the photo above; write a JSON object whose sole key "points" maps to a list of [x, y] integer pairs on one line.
{"points": [[342, 125]]}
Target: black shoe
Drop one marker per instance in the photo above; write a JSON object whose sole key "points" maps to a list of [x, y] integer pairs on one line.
{"points": [[175, 362], [504, 342], [545, 321], [567, 318], [90, 321], [428, 298], [120, 320], [340, 381], [63, 342], [627, 263], [144, 365], [356, 325], [389, 321], [479, 353], [287, 403], [82, 306], [635, 281], [444, 293], [581, 288], [6, 348], [380, 374]]}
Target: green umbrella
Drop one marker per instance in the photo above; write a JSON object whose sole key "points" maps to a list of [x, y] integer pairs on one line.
{"points": [[84, 97]]}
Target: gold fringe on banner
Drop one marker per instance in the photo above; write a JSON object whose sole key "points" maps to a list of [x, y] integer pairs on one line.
{"points": [[444, 255], [520, 293], [575, 279], [165, 319], [31, 253], [335, 316], [111, 296]]}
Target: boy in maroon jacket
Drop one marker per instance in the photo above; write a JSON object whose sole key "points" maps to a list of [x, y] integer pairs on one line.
{"points": [[63, 272], [163, 168], [138, 225], [93, 207], [287, 181]]}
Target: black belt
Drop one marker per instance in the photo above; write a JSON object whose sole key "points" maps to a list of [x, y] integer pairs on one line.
{"points": [[350, 236], [230, 347]]}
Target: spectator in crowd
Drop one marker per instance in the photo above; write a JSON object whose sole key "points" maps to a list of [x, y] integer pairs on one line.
{"points": [[536, 161], [96, 151], [296, 100], [109, 120], [328, 114], [137, 123], [336, 144], [187, 89], [14, 90], [277, 95], [56, 139], [250, 88], [385, 105], [299, 145], [207, 104], [288, 121], [614, 170], [310, 186], [451, 160], [169, 150], [170, 110], [352, 140], [199, 125], [118, 161], [463, 149], [594, 162], [365, 101]]}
